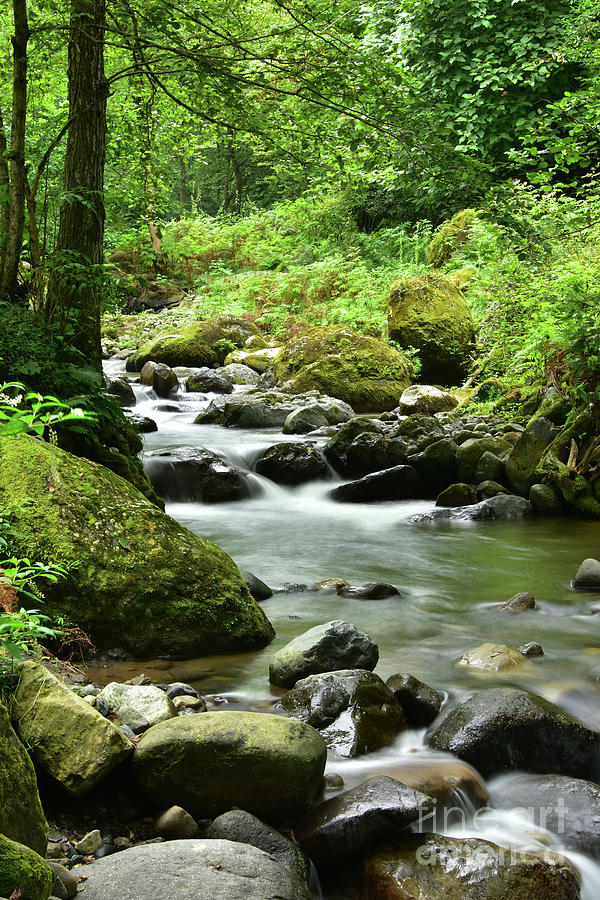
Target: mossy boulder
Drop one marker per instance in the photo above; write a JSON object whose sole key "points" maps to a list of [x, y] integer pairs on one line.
{"points": [[258, 360], [201, 344], [23, 871], [432, 315], [579, 489], [69, 739], [269, 766], [362, 370], [450, 237], [137, 580], [21, 814], [470, 452], [525, 456]]}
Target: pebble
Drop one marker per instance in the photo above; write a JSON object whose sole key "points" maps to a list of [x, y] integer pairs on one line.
{"points": [[90, 843]]}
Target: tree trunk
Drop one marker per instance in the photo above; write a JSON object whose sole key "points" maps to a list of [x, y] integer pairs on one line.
{"points": [[16, 216], [75, 290], [4, 193]]}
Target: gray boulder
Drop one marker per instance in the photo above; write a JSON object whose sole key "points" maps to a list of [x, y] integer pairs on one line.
{"points": [[194, 473], [344, 825], [269, 409], [205, 379], [436, 465], [502, 507], [372, 590], [292, 463], [140, 706], [164, 380], [425, 398], [147, 373], [421, 703], [545, 500], [324, 648], [588, 576], [193, 870], [241, 826], [304, 420], [353, 710], [525, 456], [570, 807], [121, 389], [237, 373], [506, 728]]}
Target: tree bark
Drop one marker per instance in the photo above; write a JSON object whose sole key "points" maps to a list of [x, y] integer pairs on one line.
{"points": [[75, 289], [16, 157], [4, 193]]}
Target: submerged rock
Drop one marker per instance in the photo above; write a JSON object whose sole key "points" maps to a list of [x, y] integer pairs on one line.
{"points": [[519, 603], [429, 867], [492, 658], [69, 739], [372, 590], [215, 869], [324, 648], [362, 370], [130, 566], [195, 474], [353, 710], [268, 765], [345, 825], [506, 728], [21, 814]]}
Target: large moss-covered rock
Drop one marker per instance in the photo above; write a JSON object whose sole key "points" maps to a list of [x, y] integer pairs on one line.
{"points": [[137, 580], [362, 370], [69, 739], [470, 452], [21, 814], [23, 871], [525, 456], [431, 314], [429, 867], [450, 236], [265, 764], [201, 344]]}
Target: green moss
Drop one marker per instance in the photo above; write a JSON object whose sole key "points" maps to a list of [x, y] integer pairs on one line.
{"points": [[23, 869], [201, 344], [450, 237], [137, 579], [431, 314], [359, 369], [21, 814]]}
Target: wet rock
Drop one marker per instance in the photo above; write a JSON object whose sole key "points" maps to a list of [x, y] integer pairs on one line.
{"points": [[421, 703], [215, 869], [470, 452], [569, 807], [209, 381], [502, 507], [195, 474], [506, 728], [429, 867], [269, 409], [331, 585], [532, 648], [180, 689], [121, 389], [419, 430], [266, 764], [519, 603], [588, 576], [353, 710], [23, 869], [457, 495], [304, 420], [373, 590], [424, 398], [243, 827], [90, 843], [488, 489], [360, 447], [139, 706], [449, 781], [398, 483], [174, 823], [545, 500], [237, 373], [143, 424], [258, 589], [69, 739], [491, 657], [324, 648], [436, 465], [147, 373], [164, 380], [344, 825], [292, 463], [21, 814], [525, 457]]}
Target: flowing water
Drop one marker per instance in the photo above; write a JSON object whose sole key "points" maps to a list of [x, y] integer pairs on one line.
{"points": [[451, 576]]}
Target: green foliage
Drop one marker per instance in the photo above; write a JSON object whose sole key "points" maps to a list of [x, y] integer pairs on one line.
{"points": [[20, 632], [27, 412]]}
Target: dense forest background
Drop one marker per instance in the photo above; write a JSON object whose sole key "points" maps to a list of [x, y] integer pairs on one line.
{"points": [[287, 160]]}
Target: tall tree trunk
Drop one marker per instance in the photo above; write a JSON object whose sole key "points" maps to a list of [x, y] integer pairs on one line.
{"points": [[75, 290], [16, 217], [4, 193]]}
